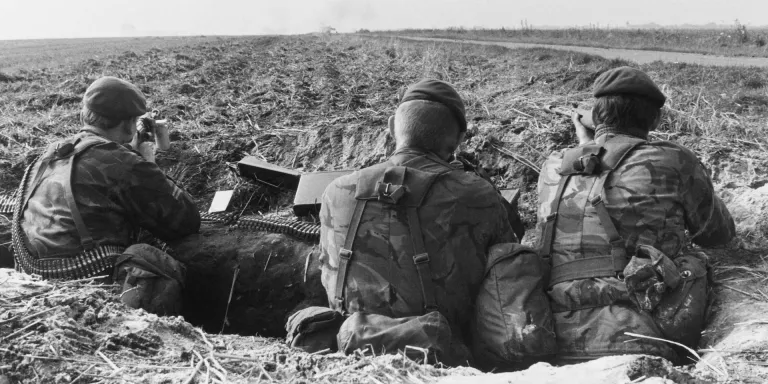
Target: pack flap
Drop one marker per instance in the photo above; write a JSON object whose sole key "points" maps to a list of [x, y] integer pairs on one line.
{"points": [[398, 185], [584, 160], [616, 148]]}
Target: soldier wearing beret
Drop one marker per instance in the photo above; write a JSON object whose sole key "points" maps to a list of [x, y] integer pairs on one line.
{"points": [[88, 196], [617, 216], [409, 237]]}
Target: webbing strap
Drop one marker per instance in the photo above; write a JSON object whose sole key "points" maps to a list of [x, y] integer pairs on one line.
{"points": [[421, 261], [602, 211], [548, 237], [82, 230], [345, 253]]}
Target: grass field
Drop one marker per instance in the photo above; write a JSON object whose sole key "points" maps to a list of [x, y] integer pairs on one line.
{"points": [[22, 55], [736, 41], [322, 103]]}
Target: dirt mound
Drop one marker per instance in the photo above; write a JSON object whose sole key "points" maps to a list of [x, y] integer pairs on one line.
{"points": [[72, 331], [607, 370]]}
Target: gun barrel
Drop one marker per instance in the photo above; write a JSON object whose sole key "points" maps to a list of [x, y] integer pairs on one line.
{"points": [[585, 116]]}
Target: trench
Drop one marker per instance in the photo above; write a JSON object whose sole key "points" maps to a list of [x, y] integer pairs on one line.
{"points": [[247, 282]]}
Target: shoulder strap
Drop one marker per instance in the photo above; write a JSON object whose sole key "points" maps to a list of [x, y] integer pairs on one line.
{"points": [[615, 150], [548, 235], [421, 261], [345, 254]]}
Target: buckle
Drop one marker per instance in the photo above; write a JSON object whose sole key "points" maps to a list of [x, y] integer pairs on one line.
{"points": [[64, 150], [389, 192], [551, 216], [345, 253], [421, 258], [596, 200], [588, 163], [430, 308]]}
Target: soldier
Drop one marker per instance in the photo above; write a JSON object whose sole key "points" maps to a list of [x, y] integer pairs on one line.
{"points": [[410, 236], [614, 216], [87, 197]]}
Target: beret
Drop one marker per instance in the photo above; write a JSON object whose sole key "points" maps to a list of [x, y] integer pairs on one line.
{"points": [[114, 98], [439, 92], [628, 80]]}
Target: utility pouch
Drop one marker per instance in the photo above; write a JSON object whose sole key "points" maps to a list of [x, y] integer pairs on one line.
{"points": [[151, 280], [314, 329], [682, 311], [648, 276], [427, 336], [674, 292]]}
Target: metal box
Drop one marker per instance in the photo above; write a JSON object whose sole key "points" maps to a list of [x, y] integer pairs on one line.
{"points": [[270, 174], [309, 193]]}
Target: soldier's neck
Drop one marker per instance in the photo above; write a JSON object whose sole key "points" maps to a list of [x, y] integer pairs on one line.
{"points": [[114, 134], [442, 156], [605, 129]]}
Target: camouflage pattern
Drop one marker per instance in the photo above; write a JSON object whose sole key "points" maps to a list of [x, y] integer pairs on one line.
{"points": [[660, 191], [461, 217], [117, 193]]}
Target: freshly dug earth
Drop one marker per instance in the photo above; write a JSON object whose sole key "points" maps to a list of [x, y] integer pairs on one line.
{"points": [[267, 276], [321, 103]]}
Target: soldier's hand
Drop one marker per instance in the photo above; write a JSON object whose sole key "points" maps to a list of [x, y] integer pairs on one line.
{"points": [[584, 134], [147, 150]]}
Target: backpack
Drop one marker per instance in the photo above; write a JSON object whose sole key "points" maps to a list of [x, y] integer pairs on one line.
{"points": [[150, 279], [427, 329], [513, 326]]}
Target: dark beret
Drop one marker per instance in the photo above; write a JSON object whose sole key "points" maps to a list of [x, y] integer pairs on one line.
{"points": [[439, 92], [113, 98], [628, 80]]}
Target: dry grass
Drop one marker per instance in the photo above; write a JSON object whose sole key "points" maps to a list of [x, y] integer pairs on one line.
{"points": [[735, 41], [78, 331]]}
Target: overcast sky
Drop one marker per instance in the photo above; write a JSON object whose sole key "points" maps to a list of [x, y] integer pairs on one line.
{"points": [[106, 18]]}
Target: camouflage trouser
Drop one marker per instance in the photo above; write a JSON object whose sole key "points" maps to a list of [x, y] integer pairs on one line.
{"points": [[150, 279]]}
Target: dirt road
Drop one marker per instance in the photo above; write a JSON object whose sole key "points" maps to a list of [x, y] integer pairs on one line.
{"points": [[638, 56]]}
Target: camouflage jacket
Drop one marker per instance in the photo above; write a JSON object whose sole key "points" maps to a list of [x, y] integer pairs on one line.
{"points": [[117, 193], [461, 217], [657, 194]]}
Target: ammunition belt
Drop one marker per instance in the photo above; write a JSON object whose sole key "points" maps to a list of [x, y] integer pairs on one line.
{"points": [[217, 218], [101, 259], [7, 204], [97, 261], [87, 264], [299, 229]]}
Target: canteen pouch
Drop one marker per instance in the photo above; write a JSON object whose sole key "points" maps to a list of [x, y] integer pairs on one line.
{"points": [[513, 326], [648, 275], [150, 279], [673, 291], [314, 329], [427, 336]]}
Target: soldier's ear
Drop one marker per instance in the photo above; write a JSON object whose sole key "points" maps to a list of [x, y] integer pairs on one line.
{"points": [[391, 124], [657, 122]]}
